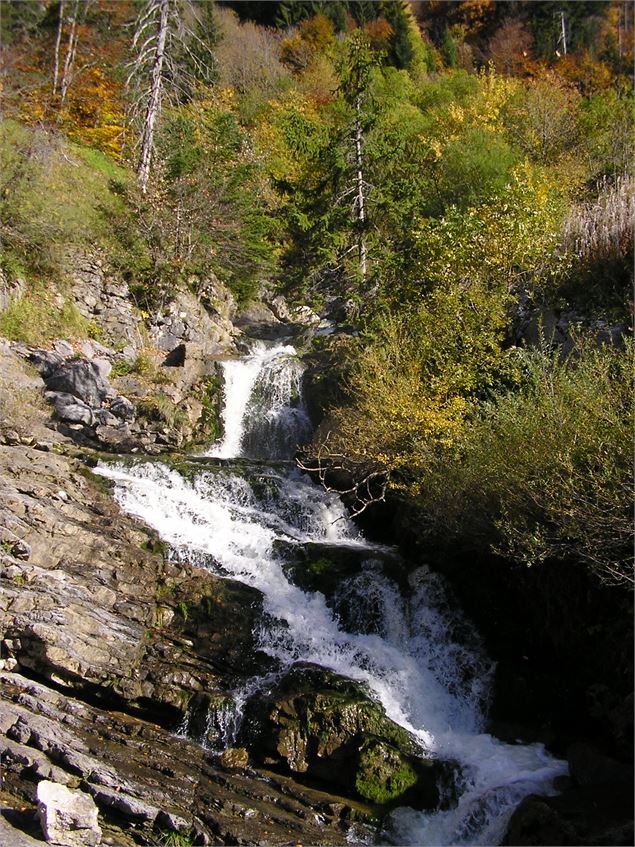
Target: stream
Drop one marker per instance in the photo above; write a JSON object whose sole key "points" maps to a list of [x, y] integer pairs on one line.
{"points": [[241, 504]]}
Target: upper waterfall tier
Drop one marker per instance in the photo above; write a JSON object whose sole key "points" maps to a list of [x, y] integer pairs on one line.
{"points": [[263, 415]]}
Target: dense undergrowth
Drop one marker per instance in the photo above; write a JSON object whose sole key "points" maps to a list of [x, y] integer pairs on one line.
{"points": [[443, 170]]}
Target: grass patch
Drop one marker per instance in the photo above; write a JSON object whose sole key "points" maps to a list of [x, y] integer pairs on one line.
{"points": [[37, 318]]}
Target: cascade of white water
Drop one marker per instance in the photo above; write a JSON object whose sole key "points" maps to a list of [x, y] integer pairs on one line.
{"points": [[406, 652], [263, 415]]}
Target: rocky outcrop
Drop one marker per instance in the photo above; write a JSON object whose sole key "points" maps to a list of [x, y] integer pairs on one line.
{"points": [[165, 409], [104, 298], [68, 818], [88, 605], [107, 648], [149, 785], [316, 723]]}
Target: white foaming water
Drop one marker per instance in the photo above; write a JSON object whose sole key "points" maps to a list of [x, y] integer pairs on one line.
{"points": [[418, 657], [263, 415]]}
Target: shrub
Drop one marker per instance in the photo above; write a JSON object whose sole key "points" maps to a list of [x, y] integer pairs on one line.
{"points": [[545, 472]]}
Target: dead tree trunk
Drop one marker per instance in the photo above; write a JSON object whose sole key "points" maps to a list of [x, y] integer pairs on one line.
{"points": [[361, 200], [69, 59], [58, 44], [154, 99]]}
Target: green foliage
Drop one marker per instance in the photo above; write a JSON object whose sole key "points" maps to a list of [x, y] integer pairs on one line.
{"points": [[607, 133], [213, 213], [169, 838], [448, 50], [209, 425], [545, 471], [54, 196], [419, 377]]}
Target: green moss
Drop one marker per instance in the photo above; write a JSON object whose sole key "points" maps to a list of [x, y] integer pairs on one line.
{"points": [[101, 483], [383, 774]]}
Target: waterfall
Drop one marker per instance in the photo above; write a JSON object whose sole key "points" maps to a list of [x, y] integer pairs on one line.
{"points": [[234, 520], [263, 415]]}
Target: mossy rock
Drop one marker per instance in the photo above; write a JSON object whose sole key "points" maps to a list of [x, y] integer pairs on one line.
{"points": [[323, 567], [383, 774], [327, 728]]}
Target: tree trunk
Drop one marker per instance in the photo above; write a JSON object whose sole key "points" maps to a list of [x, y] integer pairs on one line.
{"points": [[58, 42], [154, 100], [70, 54], [361, 207]]}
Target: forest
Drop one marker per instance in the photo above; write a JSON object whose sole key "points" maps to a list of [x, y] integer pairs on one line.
{"points": [[446, 177]]}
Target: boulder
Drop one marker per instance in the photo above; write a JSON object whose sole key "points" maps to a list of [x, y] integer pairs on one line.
{"points": [[123, 408], [69, 408], [324, 726], [68, 818], [588, 766], [45, 361], [81, 378]]}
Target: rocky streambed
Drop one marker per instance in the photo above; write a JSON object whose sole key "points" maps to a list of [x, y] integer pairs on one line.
{"points": [[105, 644]]}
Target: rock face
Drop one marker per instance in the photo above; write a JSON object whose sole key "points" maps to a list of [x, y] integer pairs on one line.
{"points": [[94, 609], [316, 723], [106, 649], [68, 818], [104, 298], [151, 787]]}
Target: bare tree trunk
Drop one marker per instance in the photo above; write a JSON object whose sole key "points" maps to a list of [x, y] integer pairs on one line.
{"points": [[58, 42], [154, 100], [70, 54], [361, 207]]}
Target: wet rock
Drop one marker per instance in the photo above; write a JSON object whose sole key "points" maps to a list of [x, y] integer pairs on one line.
{"points": [[592, 815], [588, 766], [534, 822], [234, 758], [149, 783], [68, 818], [317, 566], [316, 723]]}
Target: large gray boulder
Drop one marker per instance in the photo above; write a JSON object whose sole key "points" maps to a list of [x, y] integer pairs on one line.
{"points": [[68, 818], [82, 378], [70, 408]]}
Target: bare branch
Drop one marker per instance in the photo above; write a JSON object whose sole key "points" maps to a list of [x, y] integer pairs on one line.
{"points": [[368, 483]]}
